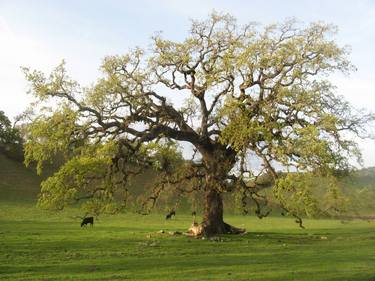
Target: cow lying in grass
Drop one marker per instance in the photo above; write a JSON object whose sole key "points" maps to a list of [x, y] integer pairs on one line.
{"points": [[88, 220]]}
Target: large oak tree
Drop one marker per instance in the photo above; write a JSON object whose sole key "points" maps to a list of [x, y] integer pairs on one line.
{"points": [[255, 106]]}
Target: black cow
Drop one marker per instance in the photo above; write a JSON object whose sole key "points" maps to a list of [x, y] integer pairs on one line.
{"points": [[170, 214], [88, 220]]}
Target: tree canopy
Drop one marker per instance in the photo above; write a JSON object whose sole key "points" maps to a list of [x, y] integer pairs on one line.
{"points": [[254, 103]]}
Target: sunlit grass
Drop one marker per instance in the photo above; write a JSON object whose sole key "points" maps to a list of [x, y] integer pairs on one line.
{"points": [[38, 245]]}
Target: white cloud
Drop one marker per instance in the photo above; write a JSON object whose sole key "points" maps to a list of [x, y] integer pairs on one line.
{"points": [[358, 90], [17, 50]]}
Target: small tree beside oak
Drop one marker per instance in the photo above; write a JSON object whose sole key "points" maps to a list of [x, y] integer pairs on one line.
{"points": [[255, 101]]}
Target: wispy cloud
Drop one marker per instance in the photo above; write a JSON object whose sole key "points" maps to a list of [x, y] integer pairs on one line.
{"points": [[15, 51]]}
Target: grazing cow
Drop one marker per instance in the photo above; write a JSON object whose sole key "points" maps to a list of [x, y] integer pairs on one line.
{"points": [[88, 220], [170, 214]]}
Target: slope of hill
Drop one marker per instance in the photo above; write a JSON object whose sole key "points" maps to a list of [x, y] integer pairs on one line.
{"points": [[17, 183], [363, 177], [21, 184]]}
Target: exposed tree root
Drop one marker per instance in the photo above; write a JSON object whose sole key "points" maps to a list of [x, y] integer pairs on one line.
{"points": [[197, 230]]}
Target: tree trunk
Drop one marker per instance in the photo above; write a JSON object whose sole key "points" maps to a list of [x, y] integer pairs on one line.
{"points": [[213, 223], [218, 162]]}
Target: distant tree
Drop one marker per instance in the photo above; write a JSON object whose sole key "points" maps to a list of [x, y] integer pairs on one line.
{"points": [[255, 100], [10, 138]]}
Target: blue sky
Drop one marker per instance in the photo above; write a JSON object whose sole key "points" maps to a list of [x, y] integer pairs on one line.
{"points": [[39, 34]]}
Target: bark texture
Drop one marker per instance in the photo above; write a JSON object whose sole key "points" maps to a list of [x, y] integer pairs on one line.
{"points": [[213, 222]]}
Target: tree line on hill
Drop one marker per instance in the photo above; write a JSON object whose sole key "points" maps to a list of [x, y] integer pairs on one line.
{"points": [[11, 141]]}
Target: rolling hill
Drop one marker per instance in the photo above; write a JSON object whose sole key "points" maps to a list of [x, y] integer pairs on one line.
{"points": [[21, 184]]}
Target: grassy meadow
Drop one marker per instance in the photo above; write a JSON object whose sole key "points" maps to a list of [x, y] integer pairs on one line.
{"points": [[38, 245], [42, 245]]}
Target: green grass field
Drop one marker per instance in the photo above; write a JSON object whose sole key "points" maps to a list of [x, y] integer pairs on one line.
{"points": [[39, 245]]}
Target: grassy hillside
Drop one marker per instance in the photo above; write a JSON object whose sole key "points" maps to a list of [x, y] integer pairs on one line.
{"points": [[21, 184], [17, 183], [362, 178]]}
